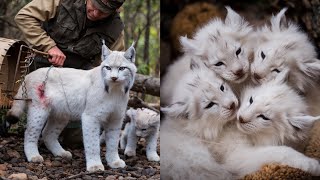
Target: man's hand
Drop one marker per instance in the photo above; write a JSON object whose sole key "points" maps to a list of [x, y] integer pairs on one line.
{"points": [[57, 57]]}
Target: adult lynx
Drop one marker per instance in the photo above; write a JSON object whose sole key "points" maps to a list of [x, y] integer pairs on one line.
{"points": [[98, 97]]}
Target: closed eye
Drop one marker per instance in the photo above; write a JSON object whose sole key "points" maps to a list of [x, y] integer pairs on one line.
{"points": [[219, 63], [276, 70], [263, 117], [143, 129], [210, 105], [108, 67]]}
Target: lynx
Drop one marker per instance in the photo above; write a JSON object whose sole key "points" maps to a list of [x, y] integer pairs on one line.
{"points": [[98, 97], [222, 46]]}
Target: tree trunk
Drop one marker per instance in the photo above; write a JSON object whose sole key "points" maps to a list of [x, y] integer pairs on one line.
{"points": [[147, 84]]}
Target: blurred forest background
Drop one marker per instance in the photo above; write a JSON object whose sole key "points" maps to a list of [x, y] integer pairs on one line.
{"points": [[183, 17], [141, 18]]}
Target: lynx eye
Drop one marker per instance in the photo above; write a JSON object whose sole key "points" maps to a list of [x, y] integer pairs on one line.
{"points": [[122, 68], [238, 51], [143, 129], [222, 88], [108, 67], [219, 63], [210, 105], [263, 117], [263, 55], [276, 70], [251, 100]]}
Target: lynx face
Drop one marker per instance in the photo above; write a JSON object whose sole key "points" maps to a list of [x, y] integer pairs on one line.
{"points": [[146, 122], [118, 67], [222, 46], [274, 109], [283, 47]]}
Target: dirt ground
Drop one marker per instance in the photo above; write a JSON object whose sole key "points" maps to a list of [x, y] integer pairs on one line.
{"points": [[13, 163]]}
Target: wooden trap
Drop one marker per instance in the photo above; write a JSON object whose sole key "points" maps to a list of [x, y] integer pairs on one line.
{"points": [[15, 60]]}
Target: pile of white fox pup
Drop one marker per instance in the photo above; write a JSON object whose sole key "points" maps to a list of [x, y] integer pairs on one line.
{"points": [[238, 98]]}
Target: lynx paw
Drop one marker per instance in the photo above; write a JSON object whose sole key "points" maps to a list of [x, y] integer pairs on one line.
{"points": [[117, 164], [153, 157], [130, 152], [37, 159], [66, 154], [95, 168]]}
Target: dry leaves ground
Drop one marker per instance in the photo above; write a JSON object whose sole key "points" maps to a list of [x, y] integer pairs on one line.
{"points": [[13, 164]]}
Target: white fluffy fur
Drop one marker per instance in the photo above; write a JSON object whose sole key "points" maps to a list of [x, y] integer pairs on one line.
{"points": [[98, 97], [221, 45], [144, 123], [285, 48], [202, 104], [246, 145]]}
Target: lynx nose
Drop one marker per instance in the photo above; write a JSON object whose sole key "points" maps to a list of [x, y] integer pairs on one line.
{"points": [[114, 78], [241, 120], [256, 76], [232, 106], [239, 72]]}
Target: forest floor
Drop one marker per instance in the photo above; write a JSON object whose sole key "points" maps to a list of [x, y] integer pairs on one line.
{"points": [[13, 164]]}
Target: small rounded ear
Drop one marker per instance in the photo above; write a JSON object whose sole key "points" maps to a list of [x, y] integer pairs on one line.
{"points": [[310, 68], [105, 51], [130, 53], [175, 110], [132, 114], [303, 122]]}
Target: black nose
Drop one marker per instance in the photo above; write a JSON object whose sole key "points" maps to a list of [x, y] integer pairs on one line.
{"points": [[114, 78], [232, 106], [239, 73], [241, 119], [256, 76]]}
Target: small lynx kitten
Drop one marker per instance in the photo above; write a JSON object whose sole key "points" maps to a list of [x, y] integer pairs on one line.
{"points": [[202, 104], [283, 47], [220, 45], [98, 97], [144, 123], [270, 117]]}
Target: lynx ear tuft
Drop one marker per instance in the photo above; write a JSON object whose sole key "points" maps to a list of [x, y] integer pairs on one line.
{"points": [[130, 53], [105, 51]]}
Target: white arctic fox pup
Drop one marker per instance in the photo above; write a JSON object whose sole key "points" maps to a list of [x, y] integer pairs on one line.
{"points": [[202, 104], [144, 123], [98, 97], [270, 116], [220, 45]]}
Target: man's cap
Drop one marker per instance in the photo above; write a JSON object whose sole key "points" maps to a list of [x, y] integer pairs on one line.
{"points": [[107, 6]]}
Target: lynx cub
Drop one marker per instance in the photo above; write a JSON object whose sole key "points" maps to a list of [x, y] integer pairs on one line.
{"points": [[221, 45], [270, 117], [98, 97], [202, 104], [144, 123]]}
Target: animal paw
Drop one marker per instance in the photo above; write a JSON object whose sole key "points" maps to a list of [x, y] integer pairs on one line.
{"points": [[117, 164], [66, 154], [130, 152], [94, 168], [153, 157], [36, 159]]}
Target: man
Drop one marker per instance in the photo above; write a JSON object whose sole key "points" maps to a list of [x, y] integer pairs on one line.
{"points": [[70, 31]]}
